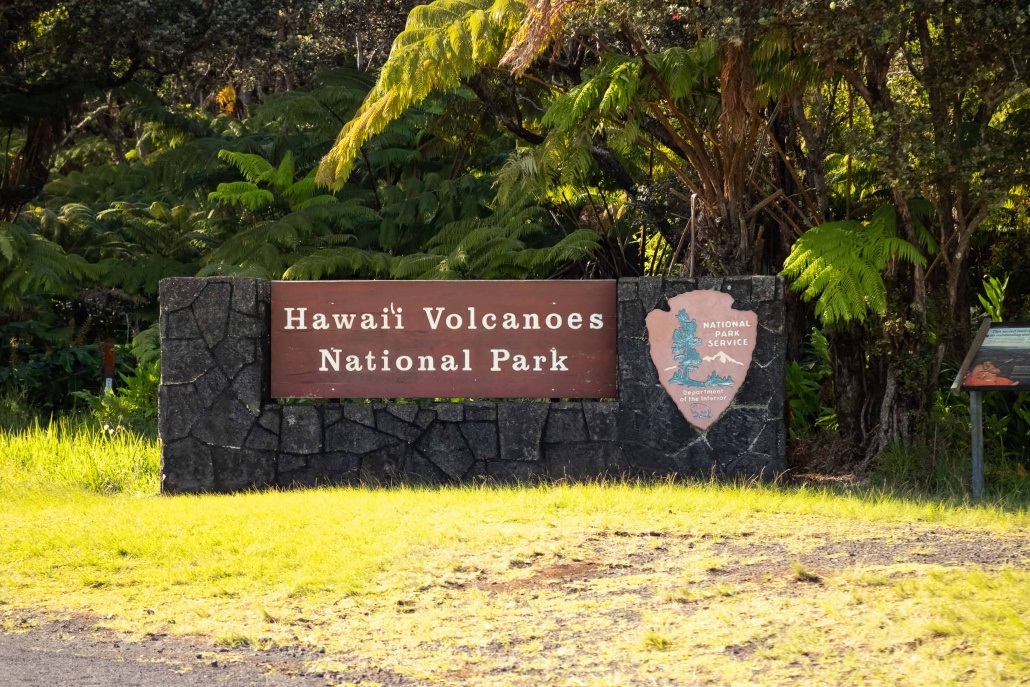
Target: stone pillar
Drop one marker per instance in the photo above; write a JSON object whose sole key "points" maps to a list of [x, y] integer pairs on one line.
{"points": [[214, 376], [750, 437]]}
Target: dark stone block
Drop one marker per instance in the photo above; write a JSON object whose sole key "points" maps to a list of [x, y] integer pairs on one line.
{"points": [[694, 460], [186, 467], [477, 473], [391, 424], [515, 472], [301, 429], [248, 388], [674, 287], [425, 417], [405, 411], [177, 411], [232, 354], [331, 414], [481, 438], [421, 470], [288, 462], [770, 318], [767, 349], [631, 394], [360, 413], [245, 326], [709, 283], [520, 428], [639, 460], [229, 426], [765, 442], [385, 465], [444, 445], [613, 460], [449, 412], [245, 295], [353, 437], [576, 461], [657, 425], [602, 421], [567, 405], [627, 290], [740, 289], [184, 361], [757, 389], [481, 412], [763, 289], [264, 293], [566, 426], [176, 293], [238, 469], [651, 292], [631, 321], [210, 386], [261, 439], [301, 478], [212, 311], [271, 417], [733, 433], [335, 467], [179, 324]]}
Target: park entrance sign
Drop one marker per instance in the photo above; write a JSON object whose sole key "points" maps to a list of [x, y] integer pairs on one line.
{"points": [[454, 382], [433, 339]]}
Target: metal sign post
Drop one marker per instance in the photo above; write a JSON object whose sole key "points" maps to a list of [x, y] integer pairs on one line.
{"points": [[976, 417]]}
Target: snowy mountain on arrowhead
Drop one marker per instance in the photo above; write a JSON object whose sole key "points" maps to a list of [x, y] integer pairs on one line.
{"points": [[721, 357]]}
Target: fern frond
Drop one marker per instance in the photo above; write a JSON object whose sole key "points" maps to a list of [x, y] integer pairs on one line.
{"points": [[254, 168], [839, 265], [443, 43]]}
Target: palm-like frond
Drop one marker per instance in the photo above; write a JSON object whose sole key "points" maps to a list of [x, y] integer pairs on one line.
{"points": [[840, 266]]}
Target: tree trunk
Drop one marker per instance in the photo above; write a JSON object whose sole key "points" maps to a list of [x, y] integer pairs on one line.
{"points": [[848, 357], [30, 169]]}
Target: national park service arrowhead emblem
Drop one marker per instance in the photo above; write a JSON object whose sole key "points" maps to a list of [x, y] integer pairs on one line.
{"points": [[702, 349]]}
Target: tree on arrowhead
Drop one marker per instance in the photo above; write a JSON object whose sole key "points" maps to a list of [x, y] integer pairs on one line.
{"points": [[684, 350]]}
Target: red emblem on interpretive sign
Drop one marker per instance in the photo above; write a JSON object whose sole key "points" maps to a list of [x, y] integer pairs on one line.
{"points": [[702, 349]]}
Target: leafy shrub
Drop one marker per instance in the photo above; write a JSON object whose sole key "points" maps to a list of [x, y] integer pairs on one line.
{"points": [[805, 390], [132, 405]]}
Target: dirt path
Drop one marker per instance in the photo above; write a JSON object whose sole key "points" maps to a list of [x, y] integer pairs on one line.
{"points": [[73, 652], [623, 579]]}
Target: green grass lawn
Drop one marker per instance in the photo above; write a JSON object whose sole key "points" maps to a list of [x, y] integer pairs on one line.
{"points": [[598, 584]]}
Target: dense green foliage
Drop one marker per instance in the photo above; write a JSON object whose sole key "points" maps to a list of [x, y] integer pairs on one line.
{"points": [[875, 154]]}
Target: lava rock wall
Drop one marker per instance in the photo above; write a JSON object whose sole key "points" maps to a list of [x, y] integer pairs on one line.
{"points": [[221, 431]]}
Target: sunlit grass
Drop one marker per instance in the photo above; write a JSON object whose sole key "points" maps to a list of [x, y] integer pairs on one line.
{"points": [[79, 455], [425, 582]]}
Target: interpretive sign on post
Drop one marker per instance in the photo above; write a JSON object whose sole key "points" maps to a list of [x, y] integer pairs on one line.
{"points": [[388, 339], [998, 360]]}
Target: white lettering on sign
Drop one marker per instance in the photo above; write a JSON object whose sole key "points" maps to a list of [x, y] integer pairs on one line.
{"points": [[371, 339], [438, 318], [371, 361]]}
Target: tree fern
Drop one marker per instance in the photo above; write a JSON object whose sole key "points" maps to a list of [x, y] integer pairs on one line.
{"points": [[840, 266], [443, 43]]}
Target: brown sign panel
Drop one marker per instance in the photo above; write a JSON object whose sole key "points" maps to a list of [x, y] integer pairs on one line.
{"points": [[443, 339]]}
